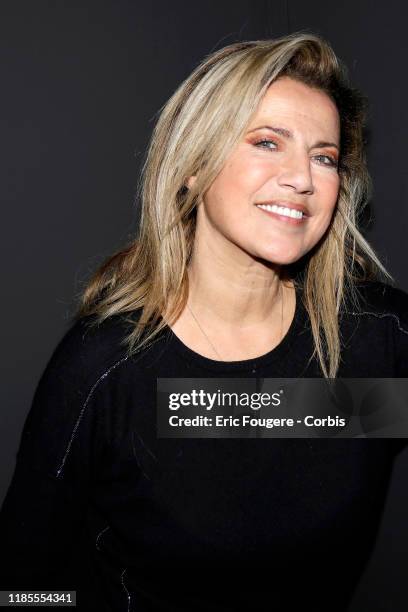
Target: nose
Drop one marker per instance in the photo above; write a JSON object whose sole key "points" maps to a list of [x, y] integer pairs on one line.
{"points": [[296, 173]]}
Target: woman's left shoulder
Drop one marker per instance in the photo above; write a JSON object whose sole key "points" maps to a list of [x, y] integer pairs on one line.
{"points": [[380, 299], [379, 326]]}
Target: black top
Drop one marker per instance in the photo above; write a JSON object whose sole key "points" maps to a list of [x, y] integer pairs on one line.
{"points": [[99, 504]]}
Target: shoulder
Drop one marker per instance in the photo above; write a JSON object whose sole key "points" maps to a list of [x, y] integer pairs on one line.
{"points": [[376, 299], [70, 400], [375, 327], [88, 347], [84, 360]]}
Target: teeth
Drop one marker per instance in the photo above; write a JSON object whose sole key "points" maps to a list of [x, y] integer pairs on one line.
{"points": [[282, 210]]}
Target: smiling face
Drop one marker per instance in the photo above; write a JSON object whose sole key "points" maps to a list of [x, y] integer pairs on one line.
{"points": [[288, 159]]}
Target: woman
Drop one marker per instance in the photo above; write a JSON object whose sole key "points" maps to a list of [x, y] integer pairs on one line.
{"points": [[248, 263]]}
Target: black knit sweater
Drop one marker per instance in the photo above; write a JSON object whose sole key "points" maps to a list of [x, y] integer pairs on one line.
{"points": [[99, 504]]}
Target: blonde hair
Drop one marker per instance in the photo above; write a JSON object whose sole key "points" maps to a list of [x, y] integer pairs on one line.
{"points": [[195, 132]]}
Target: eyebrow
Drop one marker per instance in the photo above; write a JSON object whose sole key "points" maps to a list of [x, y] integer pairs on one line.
{"points": [[288, 134]]}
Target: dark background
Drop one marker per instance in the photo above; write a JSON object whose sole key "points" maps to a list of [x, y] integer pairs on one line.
{"points": [[81, 85]]}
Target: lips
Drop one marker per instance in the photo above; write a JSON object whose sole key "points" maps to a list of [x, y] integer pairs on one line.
{"points": [[287, 204]]}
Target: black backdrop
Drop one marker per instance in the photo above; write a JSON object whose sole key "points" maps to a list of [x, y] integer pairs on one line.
{"points": [[81, 84]]}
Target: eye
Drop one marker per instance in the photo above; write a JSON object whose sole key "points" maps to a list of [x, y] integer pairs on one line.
{"points": [[264, 142], [331, 160]]}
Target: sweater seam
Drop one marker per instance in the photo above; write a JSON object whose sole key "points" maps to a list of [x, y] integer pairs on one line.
{"points": [[82, 412], [381, 315]]}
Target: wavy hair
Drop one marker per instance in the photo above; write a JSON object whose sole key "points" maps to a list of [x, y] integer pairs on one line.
{"points": [[195, 132]]}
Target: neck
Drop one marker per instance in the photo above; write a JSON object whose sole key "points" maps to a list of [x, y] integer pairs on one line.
{"points": [[233, 289]]}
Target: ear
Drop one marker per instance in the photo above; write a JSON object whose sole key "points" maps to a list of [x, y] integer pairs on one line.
{"points": [[190, 181]]}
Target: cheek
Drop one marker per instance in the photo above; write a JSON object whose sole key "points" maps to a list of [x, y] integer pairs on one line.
{"points": [[235, 188], [326, 196], [329, 191], [325, 199]]}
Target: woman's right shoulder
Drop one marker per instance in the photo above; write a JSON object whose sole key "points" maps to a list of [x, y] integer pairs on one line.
{"points": [[88, 347], [64, 397]]}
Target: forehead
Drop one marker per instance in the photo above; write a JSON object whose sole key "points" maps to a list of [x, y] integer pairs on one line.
{"points": [[298, 107]]}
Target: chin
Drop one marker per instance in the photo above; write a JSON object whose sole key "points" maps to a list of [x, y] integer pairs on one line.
{"points": [[280, 257]]}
